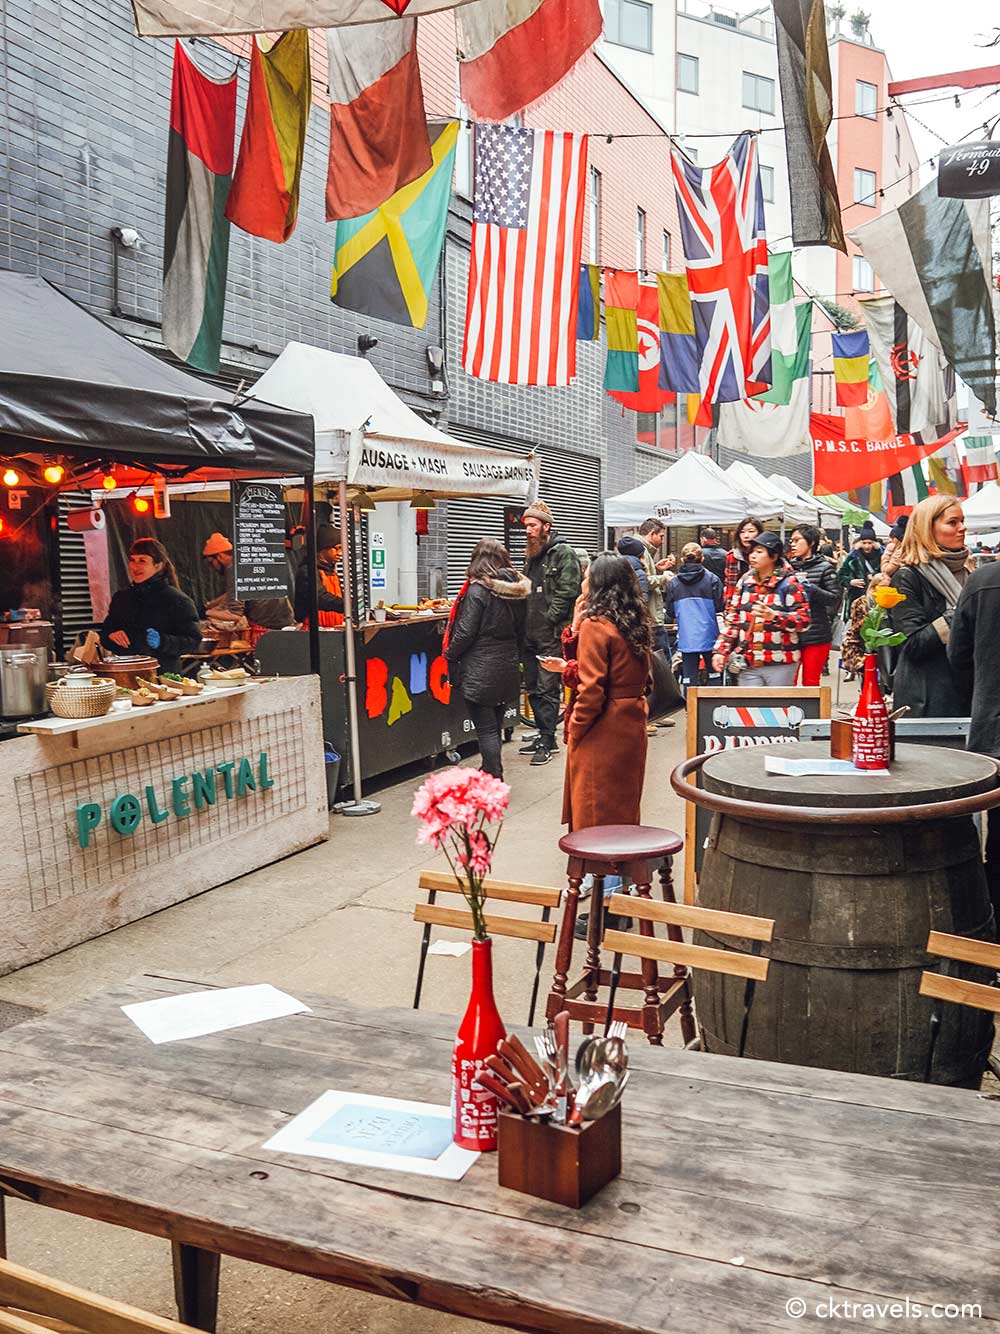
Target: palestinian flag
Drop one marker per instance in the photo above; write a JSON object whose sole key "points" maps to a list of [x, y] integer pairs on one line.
{"points": [[264, 200], [906, 489], [385, 262], [621, 302], [196, 230]]}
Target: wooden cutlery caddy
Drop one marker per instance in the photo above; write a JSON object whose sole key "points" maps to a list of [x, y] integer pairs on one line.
{"points": [[559, 1163]]}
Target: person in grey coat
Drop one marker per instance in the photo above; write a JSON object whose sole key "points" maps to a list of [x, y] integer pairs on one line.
{"points": [[483, 644]]}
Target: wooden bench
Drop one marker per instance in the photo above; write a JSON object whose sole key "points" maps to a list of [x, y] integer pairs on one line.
{"points": [[31, 1303], [500, 891], [940, 987], [683, 955]]}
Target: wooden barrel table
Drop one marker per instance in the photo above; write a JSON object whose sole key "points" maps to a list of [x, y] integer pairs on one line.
{"points": [[855, 869]]}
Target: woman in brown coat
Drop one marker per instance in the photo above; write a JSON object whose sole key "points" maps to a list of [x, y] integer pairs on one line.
{"points": [[606, 739]]}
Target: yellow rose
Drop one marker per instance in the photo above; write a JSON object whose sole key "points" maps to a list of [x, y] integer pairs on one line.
{"points": [[887, 596]]}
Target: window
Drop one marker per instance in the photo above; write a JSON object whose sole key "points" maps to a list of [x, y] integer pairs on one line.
{"points": [[595, 216], [864, 186], [629, 23], [898, 144], [666, 252], [767, 183], [862, 275], [640, 240], [687, 73], [866, 99], [758, 93]]}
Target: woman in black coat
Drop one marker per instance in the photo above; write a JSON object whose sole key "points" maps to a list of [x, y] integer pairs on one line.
{"points": [[483, 644], [932, 575], [152, 615], [819, 579]]}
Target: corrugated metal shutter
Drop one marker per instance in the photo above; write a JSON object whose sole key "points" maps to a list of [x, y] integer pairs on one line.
{"points": [[77, 611], [569, 483]]}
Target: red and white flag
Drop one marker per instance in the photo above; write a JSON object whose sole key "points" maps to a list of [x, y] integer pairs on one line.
{"points": [[527, 231]]}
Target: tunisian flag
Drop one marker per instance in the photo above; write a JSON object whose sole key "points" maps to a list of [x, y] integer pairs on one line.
{"points": [[841, 463]]}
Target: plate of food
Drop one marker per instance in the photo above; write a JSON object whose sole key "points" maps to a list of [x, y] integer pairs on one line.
{"points": [[235, 676]]}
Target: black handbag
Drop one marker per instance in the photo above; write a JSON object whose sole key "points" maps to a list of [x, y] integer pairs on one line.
{"points": [[664, 695]]}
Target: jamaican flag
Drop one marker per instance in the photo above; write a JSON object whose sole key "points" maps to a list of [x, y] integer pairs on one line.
{"points": [[385, 262], [196, 230]]}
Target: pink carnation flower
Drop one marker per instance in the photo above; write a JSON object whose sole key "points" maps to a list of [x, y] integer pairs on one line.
{"points": [[458, 798]]}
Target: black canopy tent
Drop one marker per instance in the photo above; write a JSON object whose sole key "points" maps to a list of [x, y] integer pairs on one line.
{"points": [[75, 391]]}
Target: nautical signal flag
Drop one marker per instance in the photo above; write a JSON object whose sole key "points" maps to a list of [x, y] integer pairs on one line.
{"points": [[722, 226], [378, 132], [196, 230], [851, 356], [621, 318], [679, 353], [513, 51], [524, 274], [648, 397], [588, 306], [264, 199], [385, 262]]}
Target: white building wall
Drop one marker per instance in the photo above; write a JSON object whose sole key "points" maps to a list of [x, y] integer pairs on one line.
{"points": [[650, 74]]}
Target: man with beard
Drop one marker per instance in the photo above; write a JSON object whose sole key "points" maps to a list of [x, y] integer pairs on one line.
{"points": [[554, 570], [329, 594]]}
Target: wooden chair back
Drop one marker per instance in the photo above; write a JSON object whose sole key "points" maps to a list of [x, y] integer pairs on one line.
{"points": [[735, 963], [540, 929], [31, 1303], [940, 988]]}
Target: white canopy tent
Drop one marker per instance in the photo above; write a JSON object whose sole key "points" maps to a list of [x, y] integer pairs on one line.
{"points": [[773, 498], [826, 514], [691, 492], [982, 511], [367, 437]]}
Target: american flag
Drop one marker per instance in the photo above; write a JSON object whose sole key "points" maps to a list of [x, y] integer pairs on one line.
{"points": [[520, 320], [722, 227]]}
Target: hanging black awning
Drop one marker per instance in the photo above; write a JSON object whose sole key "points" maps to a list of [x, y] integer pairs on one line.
{"points": [[70, 384]]}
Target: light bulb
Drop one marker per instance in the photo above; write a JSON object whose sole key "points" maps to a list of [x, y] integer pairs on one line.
{"points": [[54, 473], [140, 504], [11, 478], [108, 482]]}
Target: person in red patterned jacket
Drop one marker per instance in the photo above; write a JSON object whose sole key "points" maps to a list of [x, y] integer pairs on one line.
{"points": [[768, 609], [738, 560]]}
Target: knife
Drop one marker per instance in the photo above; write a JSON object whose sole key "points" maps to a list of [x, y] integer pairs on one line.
{"points": [[512, 1049], [512, 1096]]}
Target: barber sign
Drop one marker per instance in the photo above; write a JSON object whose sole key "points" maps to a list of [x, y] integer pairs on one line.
{"points": [[969, 171]]}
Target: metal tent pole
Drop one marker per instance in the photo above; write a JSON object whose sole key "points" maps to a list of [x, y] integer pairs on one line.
{"points": [[312, 575], [358, 806]]}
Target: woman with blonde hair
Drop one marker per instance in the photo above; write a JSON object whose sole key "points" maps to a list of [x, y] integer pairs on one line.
{"points": [[931, 576]]}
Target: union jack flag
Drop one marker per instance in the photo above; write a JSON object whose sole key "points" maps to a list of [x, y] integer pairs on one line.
{"points": [[722, 227]]}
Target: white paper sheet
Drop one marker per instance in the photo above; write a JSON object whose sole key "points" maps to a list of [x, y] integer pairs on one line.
{"points": [[370, 1131], [777, 764], [454, 948], [197, 1013]]}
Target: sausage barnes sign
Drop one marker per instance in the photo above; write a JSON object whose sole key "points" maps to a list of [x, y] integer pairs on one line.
{"points": [[969, 171]]}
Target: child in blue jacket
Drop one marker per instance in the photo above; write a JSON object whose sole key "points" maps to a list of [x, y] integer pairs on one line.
{"points": [[692, 599]]}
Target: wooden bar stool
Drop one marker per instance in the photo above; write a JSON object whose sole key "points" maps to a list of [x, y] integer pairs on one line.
{"points": [[959, 990], [633, 852], [31, 1303]]}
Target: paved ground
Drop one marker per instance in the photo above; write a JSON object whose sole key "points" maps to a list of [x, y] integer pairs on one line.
{"points": [[334, 919]]}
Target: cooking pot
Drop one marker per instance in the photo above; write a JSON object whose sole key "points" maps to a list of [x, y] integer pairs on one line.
{"points": [[129, 669]]}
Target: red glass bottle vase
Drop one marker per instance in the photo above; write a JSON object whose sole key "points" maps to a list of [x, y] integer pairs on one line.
{"points": [[870, 730], [474, 1109]]}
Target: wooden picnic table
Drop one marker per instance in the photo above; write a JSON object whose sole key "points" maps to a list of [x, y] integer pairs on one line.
{"points": [[747, 1186]]}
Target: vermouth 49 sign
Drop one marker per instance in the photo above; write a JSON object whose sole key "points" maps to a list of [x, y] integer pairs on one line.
{"points": [[969, 171]]}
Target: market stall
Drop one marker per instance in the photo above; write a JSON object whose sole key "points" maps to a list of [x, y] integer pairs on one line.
{"points": [[397, 707], [128, 802]]}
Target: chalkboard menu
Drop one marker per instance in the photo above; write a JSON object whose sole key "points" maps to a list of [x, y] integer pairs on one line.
{"points": [[729, 717], [259, 561]]}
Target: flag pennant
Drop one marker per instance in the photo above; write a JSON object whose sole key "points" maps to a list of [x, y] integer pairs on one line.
{"points": [[785, 341], [588, 306], [934, 255], [264, 199], [378, 134], [679, 360], [762, 427], [722, 226], [906, 489], [513, 51], [648, 397], [918, 383], [527, 231], [196, 230], [851, 358], [621, 319], [872, 419], [807, 110], [945, 472], [980, 459], [841, 462], [385, 262], [208, 18]]}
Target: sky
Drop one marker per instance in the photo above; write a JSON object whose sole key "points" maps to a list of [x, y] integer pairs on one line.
{"points": [[920, 39]]}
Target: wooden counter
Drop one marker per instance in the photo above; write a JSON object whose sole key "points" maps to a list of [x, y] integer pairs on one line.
{"points": [[114, 818]]}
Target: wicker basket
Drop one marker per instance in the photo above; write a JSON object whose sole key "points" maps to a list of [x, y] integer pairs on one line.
{"points": [[79, 701]]}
